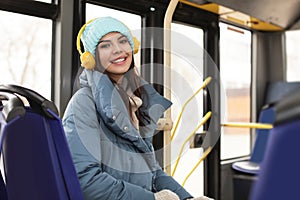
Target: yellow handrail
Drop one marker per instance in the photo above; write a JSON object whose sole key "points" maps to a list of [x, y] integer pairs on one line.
{"points": [[247, 125], [205, 154], [203, 121], [204, 84]]}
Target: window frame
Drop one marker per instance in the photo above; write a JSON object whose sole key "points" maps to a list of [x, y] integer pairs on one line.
{"points": [[32, 8]]}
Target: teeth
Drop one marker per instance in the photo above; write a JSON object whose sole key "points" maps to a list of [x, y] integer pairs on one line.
{"points": [[119, 60]]}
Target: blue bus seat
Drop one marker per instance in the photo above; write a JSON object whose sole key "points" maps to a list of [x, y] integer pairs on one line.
{"points": [[36, 158], [252, 166], [280, 170], [275, 91]]}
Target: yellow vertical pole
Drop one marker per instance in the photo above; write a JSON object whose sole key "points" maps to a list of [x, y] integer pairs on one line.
{"points": [[167, 79]]}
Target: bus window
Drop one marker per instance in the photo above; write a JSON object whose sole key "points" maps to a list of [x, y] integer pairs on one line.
{"points": [[134, 22], [235, 71], [292, 52], [25, 58], [186, 78]]}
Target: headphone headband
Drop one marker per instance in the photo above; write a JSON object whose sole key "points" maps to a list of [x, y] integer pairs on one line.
{"points": [[79, 36]]}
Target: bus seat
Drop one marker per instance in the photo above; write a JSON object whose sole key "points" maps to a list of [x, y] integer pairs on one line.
{"points": [[278, 90], [279, 176], [275, 92], [36, 159], [252, 166]]}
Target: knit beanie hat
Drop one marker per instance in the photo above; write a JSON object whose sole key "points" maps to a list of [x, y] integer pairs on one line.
{"points": [[99, 27]]}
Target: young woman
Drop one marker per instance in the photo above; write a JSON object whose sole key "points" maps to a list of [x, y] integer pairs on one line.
{"points": [[110, 120]]}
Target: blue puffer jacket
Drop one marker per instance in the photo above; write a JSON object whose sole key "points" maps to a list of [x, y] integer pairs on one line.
{"points": [[112, 159]]}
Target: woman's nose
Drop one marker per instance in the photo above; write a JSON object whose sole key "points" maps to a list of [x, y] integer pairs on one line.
{"points": [[117, 48]]}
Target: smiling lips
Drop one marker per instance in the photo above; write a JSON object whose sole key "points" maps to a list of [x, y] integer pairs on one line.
{"points": [[119, 60]]}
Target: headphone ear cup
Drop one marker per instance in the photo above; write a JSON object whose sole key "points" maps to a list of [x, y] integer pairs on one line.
{"points": [[136, 45], [87, 60]]}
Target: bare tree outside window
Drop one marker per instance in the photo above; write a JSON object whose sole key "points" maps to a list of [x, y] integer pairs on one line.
{"points": [[25, 55]]}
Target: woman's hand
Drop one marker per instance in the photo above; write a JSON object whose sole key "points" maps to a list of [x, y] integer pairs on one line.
{"points": [[165, 195], [201, 198]]}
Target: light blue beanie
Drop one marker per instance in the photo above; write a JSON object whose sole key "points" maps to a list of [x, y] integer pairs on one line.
{"points": [[99, 27]]}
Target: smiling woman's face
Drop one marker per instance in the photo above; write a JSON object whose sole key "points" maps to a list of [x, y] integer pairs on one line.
{"points": [[115, 54]]}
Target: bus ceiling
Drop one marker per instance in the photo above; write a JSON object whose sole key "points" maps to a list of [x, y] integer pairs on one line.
{"points": [[263, 15], [260, 15]]}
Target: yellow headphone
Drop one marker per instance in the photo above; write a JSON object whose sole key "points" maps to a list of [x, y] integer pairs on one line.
{"points": [[87, 59]]}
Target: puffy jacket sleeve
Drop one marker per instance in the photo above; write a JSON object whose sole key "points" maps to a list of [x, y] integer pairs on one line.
{"points": [[163, 181], [82, 131]]}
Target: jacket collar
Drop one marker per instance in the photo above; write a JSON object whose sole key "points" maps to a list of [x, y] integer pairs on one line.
{"points": [[114, 113]]}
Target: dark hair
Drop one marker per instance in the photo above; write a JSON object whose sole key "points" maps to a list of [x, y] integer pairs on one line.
{"points": [[76, 84]]}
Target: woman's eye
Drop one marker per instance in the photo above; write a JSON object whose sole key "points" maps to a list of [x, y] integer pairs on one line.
{"points": [[104, 45], [123, 41]]}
